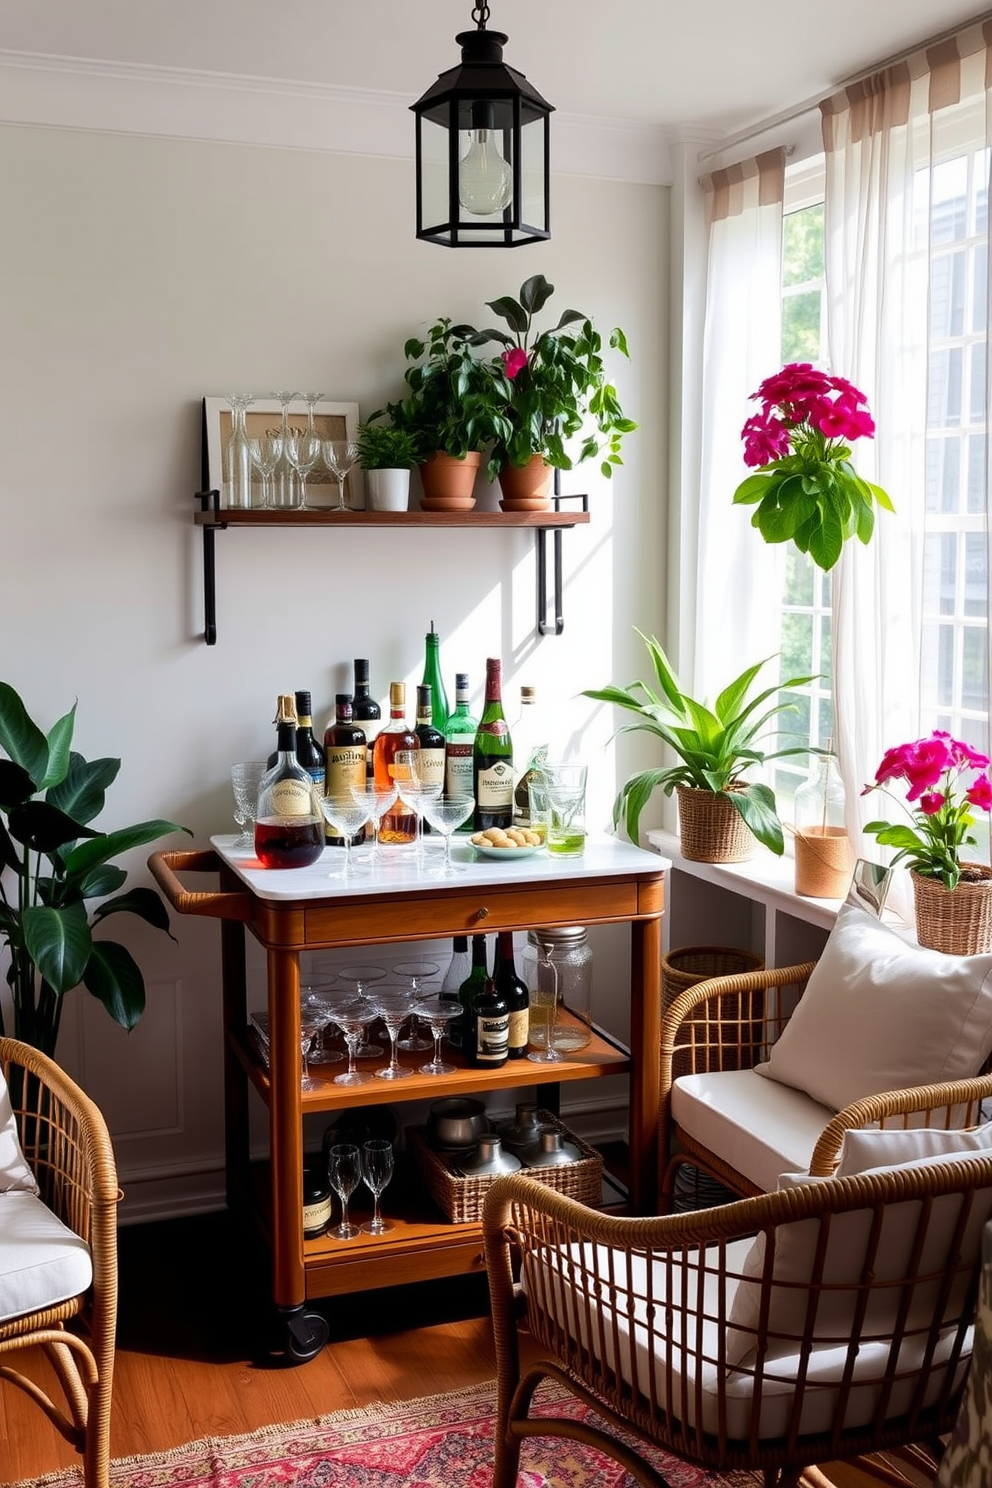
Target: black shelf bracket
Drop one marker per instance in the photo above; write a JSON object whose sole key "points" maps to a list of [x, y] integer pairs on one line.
{"points": [[541, 534], [208, 500]]}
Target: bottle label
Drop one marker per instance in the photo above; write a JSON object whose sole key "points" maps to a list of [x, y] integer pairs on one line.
{"points": [[345, 768], [492, 1038], [458, 770], [431, 766], [519, 1029], [494, 787], [291, 798], [317, 1215]]}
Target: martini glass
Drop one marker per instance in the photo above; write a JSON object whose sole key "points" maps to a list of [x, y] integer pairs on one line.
{"points": [[416, 974], [415, 789], [446, 814], [352, 1018], [393, 1005], [346, 814], [377, 800], [363, 978], [438, 1015], [318, 997], [340, 457], [314, 1019]]}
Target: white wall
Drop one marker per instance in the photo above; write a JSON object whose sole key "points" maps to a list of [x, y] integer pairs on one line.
{"points": [[138, 274]]}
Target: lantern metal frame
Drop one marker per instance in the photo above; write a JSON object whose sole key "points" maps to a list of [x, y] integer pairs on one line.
{"points": [[483, 88]]}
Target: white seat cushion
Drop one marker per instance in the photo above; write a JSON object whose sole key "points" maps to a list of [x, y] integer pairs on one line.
{"points": [[758, 1126], [41, 1261], [14, 1171]]}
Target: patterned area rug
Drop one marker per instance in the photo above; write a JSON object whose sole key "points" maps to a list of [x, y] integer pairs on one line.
{"points": [[445, 1441]]}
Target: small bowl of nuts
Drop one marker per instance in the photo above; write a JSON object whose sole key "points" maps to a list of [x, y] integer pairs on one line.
{"points": [[513, 842]]}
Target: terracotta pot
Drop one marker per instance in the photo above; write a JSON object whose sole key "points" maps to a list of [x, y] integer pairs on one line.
{"points": [[449, 482], [526, 487], [956, 921], [711, 830]]}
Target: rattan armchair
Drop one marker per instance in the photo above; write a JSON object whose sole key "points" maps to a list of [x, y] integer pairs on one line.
{"points": [[729, 1024], [843, 1330], [68, 1148]]}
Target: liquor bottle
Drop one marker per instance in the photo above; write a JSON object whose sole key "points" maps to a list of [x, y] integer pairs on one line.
{"points": [[458, 969], [514, 993], [344, 747], [487, 1046], [365, 709], [289, 828], [530, 750], [285, 713], [432, 678], [399, 825], [432, 742], [308, 752], [492, 758], [459, 1028], [459, 742]]}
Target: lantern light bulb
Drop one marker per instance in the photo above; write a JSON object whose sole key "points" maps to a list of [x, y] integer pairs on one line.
{"points": [[485, 181]]}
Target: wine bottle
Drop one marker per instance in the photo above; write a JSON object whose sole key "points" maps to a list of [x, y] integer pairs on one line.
{"points": [[399, 825], [285, 713], [365, 709], [289, 828], [432, 742], [344, 745], [514, 992], [530, 751], [489, 1029], [432, 678], [458, 969], [459, 742], [460, 1028], [308, 752], [492, 758]]}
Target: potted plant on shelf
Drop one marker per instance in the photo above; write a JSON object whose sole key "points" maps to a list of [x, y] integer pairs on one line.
{"points": [[720, 812], [806, 491], [553, 387], [48, 795], [451, 412], [387, 454]]}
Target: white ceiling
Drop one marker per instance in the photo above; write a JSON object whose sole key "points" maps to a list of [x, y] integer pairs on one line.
{"points": [[708, 67]]}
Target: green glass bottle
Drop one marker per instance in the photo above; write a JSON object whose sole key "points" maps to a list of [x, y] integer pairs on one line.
{"points": [[459, 744], [432, 678], [492, 758], [473, 984]]}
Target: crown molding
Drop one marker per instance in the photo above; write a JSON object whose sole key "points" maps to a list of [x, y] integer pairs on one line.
{"points": [[79, 93]]}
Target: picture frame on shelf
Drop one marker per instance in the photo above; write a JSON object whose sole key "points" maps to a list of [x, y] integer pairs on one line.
{"points": [[332, 420]]}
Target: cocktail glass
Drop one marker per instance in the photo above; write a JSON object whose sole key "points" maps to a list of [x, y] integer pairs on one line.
{"points": [[438, 1015], [416, 974], [346, 814], [363, 978], [378, 799], [393, 1005], [352, 1018], [446, 814]]}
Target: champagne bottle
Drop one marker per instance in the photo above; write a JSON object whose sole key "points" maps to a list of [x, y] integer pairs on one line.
{"points": [[514, 993], [285, 713], [344, 745], [459, 742], [492, 758], [530, 751], [308, 752], [289, 828], [399, 825], [432, 678], [489, 1029], [365, 709], [432, 742], [460, 1029]]}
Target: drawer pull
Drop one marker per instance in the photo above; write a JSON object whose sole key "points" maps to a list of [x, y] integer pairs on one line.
{"points": [[482, 913]]}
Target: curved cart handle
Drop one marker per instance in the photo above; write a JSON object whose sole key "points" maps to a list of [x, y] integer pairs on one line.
{"points": [[229, 906]]}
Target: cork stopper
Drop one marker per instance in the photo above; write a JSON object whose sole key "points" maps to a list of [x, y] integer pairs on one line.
{"points": [[285, 708]]}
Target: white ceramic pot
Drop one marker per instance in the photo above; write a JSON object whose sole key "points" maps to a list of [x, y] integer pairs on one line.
{"points": [[389, 490]]}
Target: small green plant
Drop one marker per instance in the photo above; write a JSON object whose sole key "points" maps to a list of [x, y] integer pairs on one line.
{"points": [[715, 745], [384, 447], [451, 405], [48, 795]]}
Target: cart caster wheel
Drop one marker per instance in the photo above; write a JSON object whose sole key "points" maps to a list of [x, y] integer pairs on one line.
{"points": [[305, 1335]]}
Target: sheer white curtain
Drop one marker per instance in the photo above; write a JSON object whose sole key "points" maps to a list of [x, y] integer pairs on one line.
{"points": [[884, 140], [736, 624]]}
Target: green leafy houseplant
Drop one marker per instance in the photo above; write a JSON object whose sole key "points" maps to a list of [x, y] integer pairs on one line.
{"points": [[384, 447], [715, 745], [451, 406], [553, 385], [48, 795], [806, 491]]}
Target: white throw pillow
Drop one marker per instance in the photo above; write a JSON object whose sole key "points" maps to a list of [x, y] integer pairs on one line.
{"points": [[15, 1175], [880, 1014]]}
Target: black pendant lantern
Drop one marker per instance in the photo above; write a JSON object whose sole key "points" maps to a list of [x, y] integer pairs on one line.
{"points": [[483, 155]]}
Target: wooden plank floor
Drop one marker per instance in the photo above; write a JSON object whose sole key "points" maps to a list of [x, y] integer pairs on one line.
{"points": [[193, 1357]]}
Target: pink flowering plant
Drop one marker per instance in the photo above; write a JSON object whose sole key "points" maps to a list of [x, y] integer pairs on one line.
{"points": [[948, 781], [552, 385], [805, 489]]}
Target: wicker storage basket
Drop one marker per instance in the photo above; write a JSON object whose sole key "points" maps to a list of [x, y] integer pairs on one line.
{"points": [[711, 830], [956, 921], [683, 968], [461, 1198]]}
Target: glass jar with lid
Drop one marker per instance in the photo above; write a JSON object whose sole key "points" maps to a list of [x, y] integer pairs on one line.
{"points": [[557, 967]]}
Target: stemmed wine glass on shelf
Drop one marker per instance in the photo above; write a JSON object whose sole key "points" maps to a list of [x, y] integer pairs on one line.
{"points": [[344, 1169], [266, 452], [377, 1169], [303, 452], [286, 481], [340, 457]]}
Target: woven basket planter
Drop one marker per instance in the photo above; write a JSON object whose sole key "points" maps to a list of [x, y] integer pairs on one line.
{"points": [[683, 968], [957, 921], [711, 830]]}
